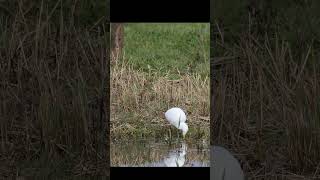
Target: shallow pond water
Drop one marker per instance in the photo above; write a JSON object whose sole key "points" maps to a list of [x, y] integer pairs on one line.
{"points": [[152, 153]]}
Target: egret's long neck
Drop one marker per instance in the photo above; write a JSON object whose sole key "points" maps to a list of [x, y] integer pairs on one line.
{"points": [[183, 127], [179, 120]]}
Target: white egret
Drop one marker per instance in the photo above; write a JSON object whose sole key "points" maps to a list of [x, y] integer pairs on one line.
{"points": [[177, 118], [224, 166]]}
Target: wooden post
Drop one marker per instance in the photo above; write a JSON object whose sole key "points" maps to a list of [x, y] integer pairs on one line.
{"points": [[116, 41]]}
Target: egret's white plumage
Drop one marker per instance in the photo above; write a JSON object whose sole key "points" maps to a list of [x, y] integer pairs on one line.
{"points": [[177, 118], [224, 166]]}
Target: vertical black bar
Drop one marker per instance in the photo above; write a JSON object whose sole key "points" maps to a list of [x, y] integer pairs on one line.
{"points": [[107, 102], [108, 11]]}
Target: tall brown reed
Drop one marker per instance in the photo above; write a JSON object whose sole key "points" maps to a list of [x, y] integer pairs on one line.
{"points": [[266, 107], [51, 88]]}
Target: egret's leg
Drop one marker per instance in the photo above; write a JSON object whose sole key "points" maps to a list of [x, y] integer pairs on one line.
{"points": [[170, 134], [178, 135]]}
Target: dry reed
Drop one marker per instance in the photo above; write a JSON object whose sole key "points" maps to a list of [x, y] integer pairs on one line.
{"points": [[266, 107], [51, 88], [139, 100]]}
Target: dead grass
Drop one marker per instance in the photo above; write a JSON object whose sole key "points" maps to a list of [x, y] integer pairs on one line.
{"points": [[51, 94], [139, 101], [266, 107]]}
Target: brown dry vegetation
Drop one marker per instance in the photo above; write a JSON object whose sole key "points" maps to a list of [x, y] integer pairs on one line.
{"points": [[51, 93], [139, 100], [266, 106]]}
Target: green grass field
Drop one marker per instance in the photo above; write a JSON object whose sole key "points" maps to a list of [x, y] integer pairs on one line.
{"points": [[163, 47]]}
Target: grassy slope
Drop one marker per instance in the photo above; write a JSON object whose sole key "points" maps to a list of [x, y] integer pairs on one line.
{"points": [[168, 47], [141, 89]]}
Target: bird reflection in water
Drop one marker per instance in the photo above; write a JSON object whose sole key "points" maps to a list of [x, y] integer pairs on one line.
{"points": [[176, 158]]}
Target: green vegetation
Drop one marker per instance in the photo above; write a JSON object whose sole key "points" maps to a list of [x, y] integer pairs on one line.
{"points": [[175, 48]]}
